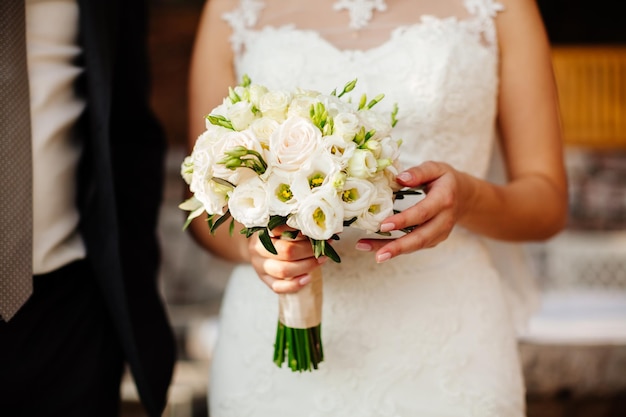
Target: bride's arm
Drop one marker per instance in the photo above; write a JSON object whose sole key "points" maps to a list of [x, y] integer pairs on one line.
{"points": [[533, 204], [211, 73]]}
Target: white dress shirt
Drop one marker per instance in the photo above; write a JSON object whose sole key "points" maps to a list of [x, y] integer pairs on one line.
{"points": [[51, 33]]}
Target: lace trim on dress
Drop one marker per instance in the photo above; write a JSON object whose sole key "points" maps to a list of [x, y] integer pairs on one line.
{"points": [[361, 11], [481, 23], [241, 19], [484, 12]]}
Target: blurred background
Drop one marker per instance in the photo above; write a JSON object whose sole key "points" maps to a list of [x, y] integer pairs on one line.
{"points": [[574, 353]]}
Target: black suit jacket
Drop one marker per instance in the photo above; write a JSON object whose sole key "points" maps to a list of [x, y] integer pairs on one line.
{"points": [[120, 187]]}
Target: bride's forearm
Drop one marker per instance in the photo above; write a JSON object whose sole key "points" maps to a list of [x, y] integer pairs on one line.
{"points": [[530, 208], [231, 248]]}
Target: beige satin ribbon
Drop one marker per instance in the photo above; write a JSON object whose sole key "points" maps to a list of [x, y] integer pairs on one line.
{"points": [[303, 310]]}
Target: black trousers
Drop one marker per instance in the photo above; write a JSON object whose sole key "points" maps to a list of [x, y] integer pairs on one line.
{"points": [[59, 355]]}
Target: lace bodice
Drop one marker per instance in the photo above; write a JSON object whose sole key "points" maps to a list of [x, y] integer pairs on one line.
{"points": [[441, 69]]}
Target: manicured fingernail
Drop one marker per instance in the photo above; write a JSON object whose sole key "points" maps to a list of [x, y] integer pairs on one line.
{"points": [[322, 260], [383, 257], [362, 246], [386, 227], [305, 279], [404, 176]]}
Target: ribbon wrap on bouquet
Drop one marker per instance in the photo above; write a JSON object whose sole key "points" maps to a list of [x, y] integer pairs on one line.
{"points": [[299, 334], [303, 309]]}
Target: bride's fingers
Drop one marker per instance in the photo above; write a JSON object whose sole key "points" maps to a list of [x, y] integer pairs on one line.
{"points": [[425, 236], [286, 277]]}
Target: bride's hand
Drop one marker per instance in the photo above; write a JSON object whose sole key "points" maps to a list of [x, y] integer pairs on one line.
{"points": [[432, 219], [289, 270]]}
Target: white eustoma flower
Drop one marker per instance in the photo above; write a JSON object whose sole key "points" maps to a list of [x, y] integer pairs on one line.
{"points": [[362, 164], [320, 215], [293, 143], [357, 197], [301, 106], [335, 105], [373, 120], [339, 149], [379, 209], [391, 155], [274, 104], [212, 195], [282, 200], [249, 203], [319, 171], [221, 110], [186, 169], [346, 125]]}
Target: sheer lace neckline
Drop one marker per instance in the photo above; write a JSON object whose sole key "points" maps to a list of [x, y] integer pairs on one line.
{"points": [[377, 20], [361, 11]]}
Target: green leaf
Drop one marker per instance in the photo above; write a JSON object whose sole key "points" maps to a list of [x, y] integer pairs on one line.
{"points": [[266, 240], [223, 182], [331, 253], [220, 221], [291, 234], [192, 216], [276, 221], [318, 247]]}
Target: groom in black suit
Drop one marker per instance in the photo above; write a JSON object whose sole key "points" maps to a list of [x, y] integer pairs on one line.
{"points": [[64, 351]]}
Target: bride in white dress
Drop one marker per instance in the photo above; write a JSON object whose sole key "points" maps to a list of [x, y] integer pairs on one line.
{"points": [[421, 325]]}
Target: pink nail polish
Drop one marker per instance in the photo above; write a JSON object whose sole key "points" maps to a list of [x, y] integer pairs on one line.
{"points": [[305, 279], [404, 176], [386, 227], [365, 247], [383, 257]]}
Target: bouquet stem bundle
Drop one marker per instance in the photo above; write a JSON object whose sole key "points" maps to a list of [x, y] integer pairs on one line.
{"points": [[298, 334]]}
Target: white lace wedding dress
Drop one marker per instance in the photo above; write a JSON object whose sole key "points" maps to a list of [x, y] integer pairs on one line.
{"points": [[423, 335]]}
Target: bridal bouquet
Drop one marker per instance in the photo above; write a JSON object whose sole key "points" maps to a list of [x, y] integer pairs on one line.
{"points": [[315, 162]]}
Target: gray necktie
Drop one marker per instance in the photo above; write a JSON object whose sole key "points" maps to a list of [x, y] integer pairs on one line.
{"points": [[15, 162]]}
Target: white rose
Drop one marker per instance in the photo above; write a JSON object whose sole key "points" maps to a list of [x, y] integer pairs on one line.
{"points": [[320, 215], [255, 92], [357, 196], [240, 115], [274, 104], [248, 203], [362, 164], [263, 128], [293, 143]]}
